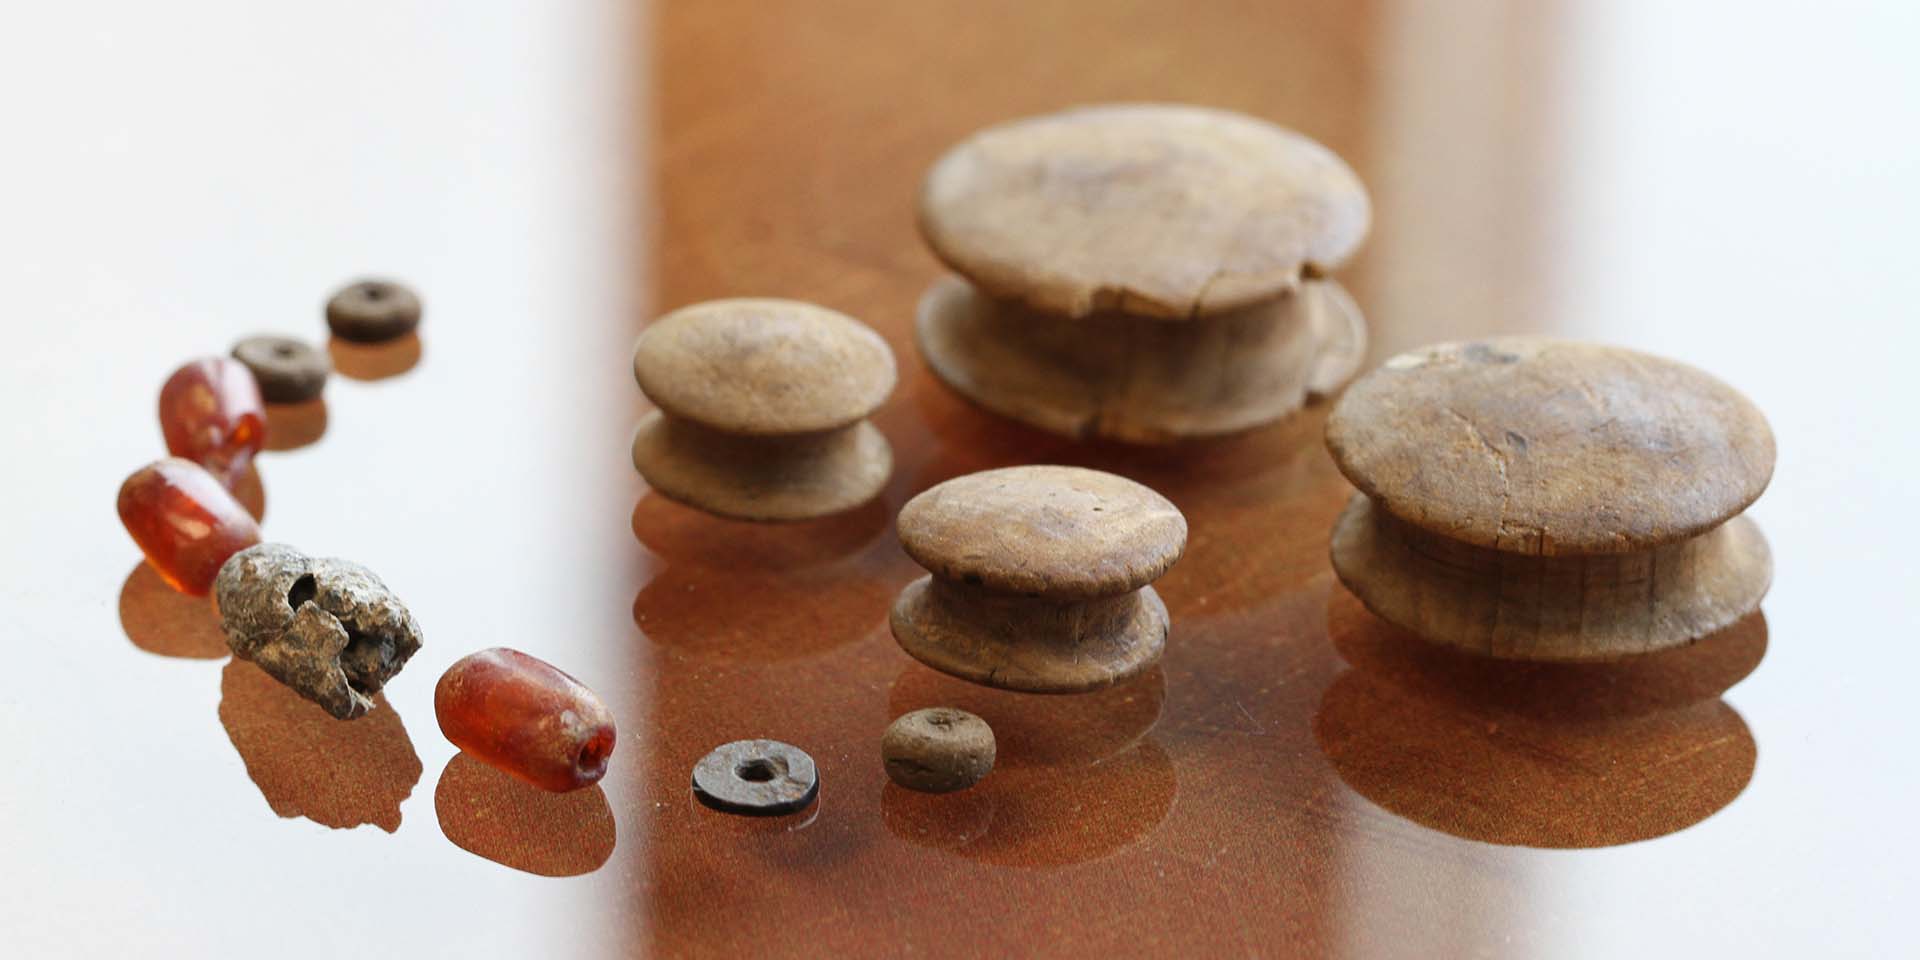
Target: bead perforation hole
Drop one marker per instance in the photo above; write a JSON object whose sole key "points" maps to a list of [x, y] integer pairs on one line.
{"points": [[303, 591], [756, 771], [594, 753]]}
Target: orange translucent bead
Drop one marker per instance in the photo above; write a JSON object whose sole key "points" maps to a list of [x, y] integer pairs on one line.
{"points": [[211, 413], [526, 717], [185, 522]]}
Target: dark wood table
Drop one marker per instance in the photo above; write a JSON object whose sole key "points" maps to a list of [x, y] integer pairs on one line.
{"points": [[1731, 186]]}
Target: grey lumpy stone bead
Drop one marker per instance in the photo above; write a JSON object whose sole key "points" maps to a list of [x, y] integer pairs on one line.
{"points": [[327, 628]]}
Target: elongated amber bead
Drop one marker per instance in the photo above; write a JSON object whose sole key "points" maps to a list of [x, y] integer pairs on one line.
{"points": [[185, 522], [526, 717], [211, 413]]}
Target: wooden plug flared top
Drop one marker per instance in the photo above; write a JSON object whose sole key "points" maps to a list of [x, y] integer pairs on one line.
{"points": [[1141, 272], [1038, 577], [762, 408], [1535, 499]]}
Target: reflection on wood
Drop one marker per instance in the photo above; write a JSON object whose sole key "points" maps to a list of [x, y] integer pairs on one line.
{"points": [[1539, 755], [1026, 816], [683, 534], [338, 773], [815, 584]]}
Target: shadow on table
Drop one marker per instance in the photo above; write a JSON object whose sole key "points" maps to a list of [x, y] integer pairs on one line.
{"points": [[490, 814], [161, 620], [374, 361], [291, 426], [1538, 754], [251, 491], [1042, 816], [338, 773], [1076, 778], [811, 586]]}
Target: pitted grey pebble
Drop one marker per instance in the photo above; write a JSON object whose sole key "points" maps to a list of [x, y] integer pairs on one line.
{"points": [[327, 628]]}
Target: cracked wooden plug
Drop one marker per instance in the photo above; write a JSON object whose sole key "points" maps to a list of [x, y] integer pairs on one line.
{"points": [[763, 409], [1146, 273], [1533, 499], [1039, 578]]}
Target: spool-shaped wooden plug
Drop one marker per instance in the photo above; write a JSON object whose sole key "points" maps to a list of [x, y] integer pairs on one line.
{"points": [[1535, 499], [1142, 272], [762, 409], [1039, 577]]}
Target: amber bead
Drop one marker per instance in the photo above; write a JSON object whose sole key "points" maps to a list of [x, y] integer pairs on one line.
{"points": [[526, 717], [211, 413], [185, 522]]}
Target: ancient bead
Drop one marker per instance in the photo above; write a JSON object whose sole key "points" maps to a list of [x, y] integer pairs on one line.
{"points": [[372, 311], [937, 750], [185, 522], [328, 629], [1533, 499], [288, 370], [526, 717], [758, 778], [211, 413], [1039, 577]]}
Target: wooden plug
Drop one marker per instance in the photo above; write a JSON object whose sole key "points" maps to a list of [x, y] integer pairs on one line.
{"points": [[762, 409], [1140, 379], [1038, 578], [1534, 499], [1146, 273]]}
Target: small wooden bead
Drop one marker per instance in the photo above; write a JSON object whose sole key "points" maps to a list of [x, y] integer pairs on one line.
{"points": [[526, 717], [1038, 577], [287, 370], [937, 750], [762, 409], [1142, 273], [185, 521], [373, 311], [1535, 499]]}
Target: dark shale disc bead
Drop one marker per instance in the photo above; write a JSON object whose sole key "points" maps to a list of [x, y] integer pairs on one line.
{"points": [[372, 311], [287, 370], [756, 778]]}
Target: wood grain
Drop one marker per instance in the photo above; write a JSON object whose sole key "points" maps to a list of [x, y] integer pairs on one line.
{"points": [[1195, 811]]}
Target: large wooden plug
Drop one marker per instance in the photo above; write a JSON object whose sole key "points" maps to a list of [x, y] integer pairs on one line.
{"points": [[1146, 273], [1535, 499]]}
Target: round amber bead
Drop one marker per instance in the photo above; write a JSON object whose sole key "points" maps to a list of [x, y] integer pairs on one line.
{"points": [[185, 522], [211, 413]]}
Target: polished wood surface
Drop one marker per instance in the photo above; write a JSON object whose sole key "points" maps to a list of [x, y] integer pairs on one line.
{"points": [[1295, 778]]}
